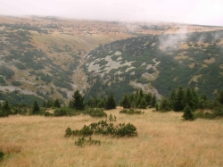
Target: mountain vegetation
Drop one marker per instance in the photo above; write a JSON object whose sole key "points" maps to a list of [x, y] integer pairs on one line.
{"points": [[38, 61], [157, 64]]}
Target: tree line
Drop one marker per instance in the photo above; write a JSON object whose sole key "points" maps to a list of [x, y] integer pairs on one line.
{"points": [[180, 99]]}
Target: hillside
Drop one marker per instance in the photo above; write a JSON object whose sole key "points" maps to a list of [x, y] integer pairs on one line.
{"points": [[157, 64], [42, 57]]}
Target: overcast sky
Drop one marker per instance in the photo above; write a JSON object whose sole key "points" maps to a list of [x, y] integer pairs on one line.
{"points": [[206, 12]]}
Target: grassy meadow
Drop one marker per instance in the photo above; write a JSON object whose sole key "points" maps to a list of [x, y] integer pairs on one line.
{"points": [[164, 139]]}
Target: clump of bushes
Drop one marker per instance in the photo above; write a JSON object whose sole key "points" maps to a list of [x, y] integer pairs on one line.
{"points": [[96, 112], [82, 141], [216, 113], [131, 111], [65, 112], [104, 128]]}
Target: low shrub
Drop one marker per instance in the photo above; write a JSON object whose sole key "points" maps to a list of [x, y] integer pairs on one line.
{"points": [[104, 128], [131, 111], [96, 112], [47, 114], [217, 112], [82, 141], [126, 130], [65, 112]]}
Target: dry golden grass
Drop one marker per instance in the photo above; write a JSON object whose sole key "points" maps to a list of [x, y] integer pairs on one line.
{"points": [[164, 139], [210, 61]]}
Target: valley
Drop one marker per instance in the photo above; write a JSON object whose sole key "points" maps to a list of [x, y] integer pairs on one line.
{"points": [[48, 57]]}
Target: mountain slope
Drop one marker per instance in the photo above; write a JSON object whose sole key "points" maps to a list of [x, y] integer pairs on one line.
{"points": [[42, 58], [157, 64]]}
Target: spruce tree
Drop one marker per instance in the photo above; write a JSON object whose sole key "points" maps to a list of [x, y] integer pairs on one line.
{"points": [[49, 103], [110, 103], [172, 99], [188, 115], [142, 103], [195, 99], [189, 99], [179, 103], [165, 105], [78, 101], [125, 103], [148, 97], [36, 108], [6, 109], [57, 103], [202, 101]]}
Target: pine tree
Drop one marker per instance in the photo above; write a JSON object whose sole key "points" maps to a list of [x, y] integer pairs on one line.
{"points": [[49, 103], [78, 101], [142, 103], [110, 103], [165, 105], [202, 101], [195, 99], [179, 103], [189, 99], [36, 108], [125, 103], [172, 99], [148, 97], [188, 115], [57, 103], [6, 109]]}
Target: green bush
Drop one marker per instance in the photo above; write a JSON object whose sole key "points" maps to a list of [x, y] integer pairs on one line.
{"points": [[82, 141], [47, 114], [86, 131], [96, 112], [205, 115], [131, 111], [126, 130], [65, 112], [102, 127], [16, 83]]}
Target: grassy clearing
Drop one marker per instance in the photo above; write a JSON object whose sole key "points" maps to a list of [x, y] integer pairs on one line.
{"points": [[164, 139]]}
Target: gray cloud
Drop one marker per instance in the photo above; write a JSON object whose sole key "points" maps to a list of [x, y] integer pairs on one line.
{"points": [[206, 12]]}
